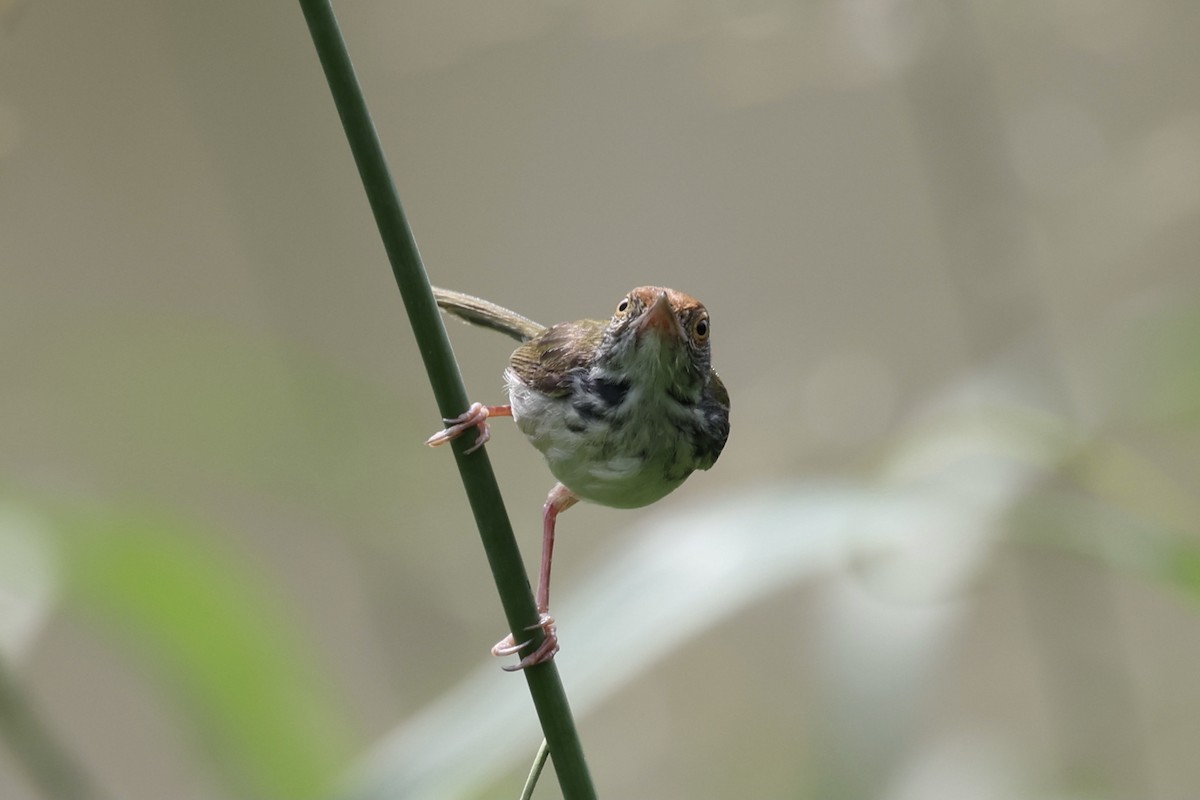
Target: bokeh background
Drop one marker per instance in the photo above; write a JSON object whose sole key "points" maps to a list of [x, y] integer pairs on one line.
{"points": [[951, 253]]}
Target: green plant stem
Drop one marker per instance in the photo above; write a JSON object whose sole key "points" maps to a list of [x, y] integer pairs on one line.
{"points": [[479, 481], [535, 771]]}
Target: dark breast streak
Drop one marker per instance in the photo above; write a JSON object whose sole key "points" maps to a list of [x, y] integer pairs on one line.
{"points": [[597, 398], [703, 426]]}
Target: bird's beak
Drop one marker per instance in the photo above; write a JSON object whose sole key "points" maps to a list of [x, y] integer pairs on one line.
{"points": [[660, 317]]}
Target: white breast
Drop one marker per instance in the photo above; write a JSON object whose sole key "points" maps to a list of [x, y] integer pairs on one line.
{"points": [[630, 458]]}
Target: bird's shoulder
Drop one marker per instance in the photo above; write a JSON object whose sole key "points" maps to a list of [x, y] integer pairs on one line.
{"points": [[546, 361]]}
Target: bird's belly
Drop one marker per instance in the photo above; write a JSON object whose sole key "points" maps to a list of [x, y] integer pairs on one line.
{"points": [[623, 463], [618, 481]]}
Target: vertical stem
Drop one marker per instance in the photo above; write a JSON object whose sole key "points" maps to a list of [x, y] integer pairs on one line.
{"points": [[479, 481], [535, 771]]}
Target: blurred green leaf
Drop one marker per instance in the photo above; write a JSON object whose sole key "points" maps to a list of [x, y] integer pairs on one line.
{"points": [[1160, 373], [1122, 538], [1183, 567], [219, 640]]}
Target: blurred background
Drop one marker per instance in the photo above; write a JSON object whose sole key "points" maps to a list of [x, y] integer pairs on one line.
{"points": [[950, 251]]}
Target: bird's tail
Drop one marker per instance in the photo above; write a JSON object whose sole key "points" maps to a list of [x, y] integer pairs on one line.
{"points": [[480, 312]]}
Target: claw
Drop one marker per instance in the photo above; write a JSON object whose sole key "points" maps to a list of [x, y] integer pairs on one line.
{"points": [[505, 647], [545, 651], [474, 417]]}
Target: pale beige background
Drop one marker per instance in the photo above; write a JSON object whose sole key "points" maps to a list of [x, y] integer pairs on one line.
{"points": [[877, 200]]}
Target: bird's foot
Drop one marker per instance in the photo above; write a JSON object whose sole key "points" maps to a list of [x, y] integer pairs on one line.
{"points": [[508, 645], [474, 417]]}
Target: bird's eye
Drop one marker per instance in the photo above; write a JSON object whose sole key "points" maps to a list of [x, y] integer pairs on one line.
{"points": [[700, 329], [623, 306]]}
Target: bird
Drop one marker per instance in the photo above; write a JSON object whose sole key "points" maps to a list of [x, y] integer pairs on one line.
{"points": [[623, 410]]}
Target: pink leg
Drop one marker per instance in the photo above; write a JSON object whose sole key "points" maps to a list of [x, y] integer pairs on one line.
{"points": [[560, 500], [475, 417]]}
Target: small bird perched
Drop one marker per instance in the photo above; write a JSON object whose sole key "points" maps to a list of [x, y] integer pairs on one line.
{"points": [[622, 410]]}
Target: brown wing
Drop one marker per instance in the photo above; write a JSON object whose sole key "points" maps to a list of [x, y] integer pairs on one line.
{"points": [[720, 393], [710, 437], [545, 361]]}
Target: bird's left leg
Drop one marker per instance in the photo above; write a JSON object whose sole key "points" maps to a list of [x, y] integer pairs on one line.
{"points": [[560, 499], [475, 417]]}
